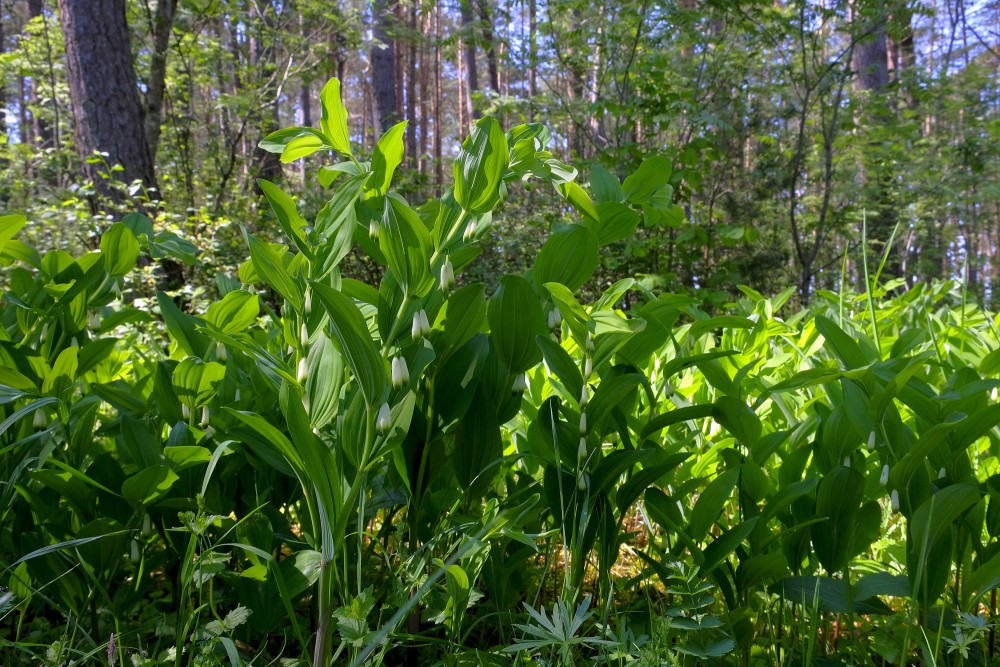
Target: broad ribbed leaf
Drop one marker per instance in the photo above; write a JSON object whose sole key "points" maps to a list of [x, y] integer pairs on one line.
{"points": [[387, 156], [236, 312], [355, 343], [269, 266], [515, 318], [569, 257], [120, 249], [333, 121], [324, 375], [461, 318], [406, 244], [195, 381], [286, 213], [480, 167], [301, 146], [605, 186], [652, 174]]}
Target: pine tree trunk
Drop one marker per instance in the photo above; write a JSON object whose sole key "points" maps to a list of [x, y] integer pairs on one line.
{"points": [[383, 66], [162, 27], [102, 82], [471, 81]]}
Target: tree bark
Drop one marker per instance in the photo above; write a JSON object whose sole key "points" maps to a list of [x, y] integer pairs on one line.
{"points": [[471, 81], [161, 29], [383, 65], [106, 108]]}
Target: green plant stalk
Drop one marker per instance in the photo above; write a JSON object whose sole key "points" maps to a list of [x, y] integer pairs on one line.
{"points": [[868, 285], [324, 632]]}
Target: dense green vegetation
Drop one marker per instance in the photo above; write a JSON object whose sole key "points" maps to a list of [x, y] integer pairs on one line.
{"points": [[305, 467]]}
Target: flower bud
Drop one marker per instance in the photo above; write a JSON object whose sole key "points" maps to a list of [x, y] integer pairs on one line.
{"points": [[581, 481], [847, 461], [237, 395], [373, 229], [415, 330], [147, 525], [303, 334], [581, 453], [555, 318], [894, 500], [470, 231], [204, 417], [942, 473], [584, 396], [307, 304], [300, 375], [871, 442], [884, 478], [520, 383], [588, 368], [588, 343], [668, 389], [185, 411], [220, 352], [44, 334], [40, 421], [447, 275], [384, 419], [583, 422], [74, 342], [400, 373], [425, 325], [134, 552]]}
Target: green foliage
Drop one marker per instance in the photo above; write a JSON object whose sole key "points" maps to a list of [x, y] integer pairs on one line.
{"points": [[408, 461]]}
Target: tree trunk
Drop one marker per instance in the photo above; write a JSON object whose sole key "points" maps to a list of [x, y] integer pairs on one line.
{"points": [[383, 65], [491, 54], [471, 81], [411, 93], [102, 83], [161, 29]]}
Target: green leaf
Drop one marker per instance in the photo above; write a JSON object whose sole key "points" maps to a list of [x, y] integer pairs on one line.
{"points": [[387, 156], [276, 141], [149, 485], [324, 377], [652, 174], [406, 244], [461, 317], [271, 269], [236, 312], [120, 249], [579, 198], [615, 222], [724, 545], [356, 344], [605, 186], [940, 512], [710, 503], [337, 221], [516, 318], [301, 146], [480, 167], [286, 213], [569, 257], [843, 346], [333, 120], [196, 381]]}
